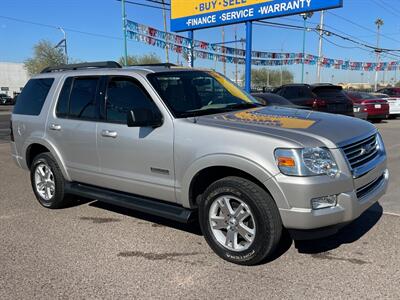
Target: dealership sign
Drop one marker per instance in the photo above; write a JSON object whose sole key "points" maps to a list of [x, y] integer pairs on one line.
{"points": [[194, 14]]}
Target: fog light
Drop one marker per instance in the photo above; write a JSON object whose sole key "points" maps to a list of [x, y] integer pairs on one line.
{"points": [[324, 202]]}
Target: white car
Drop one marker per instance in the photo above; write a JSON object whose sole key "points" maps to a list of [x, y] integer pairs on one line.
{"points": [[392, 95]]}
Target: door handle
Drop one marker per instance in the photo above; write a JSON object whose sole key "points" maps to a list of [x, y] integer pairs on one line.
{"points": [[109, 133], [56, 127]]}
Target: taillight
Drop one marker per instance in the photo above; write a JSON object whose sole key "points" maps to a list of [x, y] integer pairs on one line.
{"points": [[11, 132], [319, 103]]}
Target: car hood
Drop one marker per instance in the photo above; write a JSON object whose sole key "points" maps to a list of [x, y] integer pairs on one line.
{"points": [[307, 128]]}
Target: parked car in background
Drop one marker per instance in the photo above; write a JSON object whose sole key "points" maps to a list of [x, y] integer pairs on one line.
{"points": [[359, 112], [393, 99], [377, 109], [322, 97], [15, 98], [270, 99], [5, 99]]}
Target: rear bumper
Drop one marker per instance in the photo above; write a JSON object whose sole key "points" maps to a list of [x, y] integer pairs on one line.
{"points": [[18, 160], [394, 109], [378, 116]]}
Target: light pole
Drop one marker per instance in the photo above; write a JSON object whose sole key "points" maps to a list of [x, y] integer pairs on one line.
{"points": [[379, 23], [124, 31], [305, 16], [321, 33], [63, 44], [282, 63], [166, 32]]}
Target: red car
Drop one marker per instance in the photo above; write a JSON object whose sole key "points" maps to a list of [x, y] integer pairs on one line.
{"points": [[376, 109]]}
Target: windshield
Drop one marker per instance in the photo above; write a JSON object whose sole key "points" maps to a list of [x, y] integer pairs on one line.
{"points": [[366, 96], [272, 99], [191, 93]]}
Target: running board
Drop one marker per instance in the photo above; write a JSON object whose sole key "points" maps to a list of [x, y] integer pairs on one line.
{"points": [[145, 205]]}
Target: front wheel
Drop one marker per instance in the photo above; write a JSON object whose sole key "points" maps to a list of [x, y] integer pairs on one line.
{"points": [[240, 221]]}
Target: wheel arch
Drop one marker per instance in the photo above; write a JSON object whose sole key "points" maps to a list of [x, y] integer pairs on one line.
{"points": [[211, 168], [37, 146]]}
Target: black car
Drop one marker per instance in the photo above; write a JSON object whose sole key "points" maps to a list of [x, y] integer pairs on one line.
{"points": [[321, 97], [270, 99], [5, 99]]}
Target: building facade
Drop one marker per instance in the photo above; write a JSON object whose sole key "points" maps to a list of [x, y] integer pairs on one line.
{"points": [[13, 77]]}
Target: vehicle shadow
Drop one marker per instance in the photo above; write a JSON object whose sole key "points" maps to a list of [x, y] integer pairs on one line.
{"points": [[192, 227], [349, 234]]}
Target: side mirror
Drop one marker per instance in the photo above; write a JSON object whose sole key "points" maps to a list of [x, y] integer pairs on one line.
{"points": [[144, 117]]}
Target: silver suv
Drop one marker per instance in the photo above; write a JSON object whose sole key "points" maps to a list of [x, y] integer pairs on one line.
{"points": [[180, 143]]}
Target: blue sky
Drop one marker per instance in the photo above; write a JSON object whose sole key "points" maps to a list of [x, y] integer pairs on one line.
{"points": [[95, 32]]}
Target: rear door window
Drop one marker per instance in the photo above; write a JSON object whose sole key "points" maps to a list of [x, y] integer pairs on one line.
{"points": [[33, 96], [82, 100], [63, 100]]}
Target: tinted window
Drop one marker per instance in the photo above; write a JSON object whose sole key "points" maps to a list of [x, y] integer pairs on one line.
{"points": [[31, 100], [297, 92], [272, 99], [328, 93], [82, 103], [63, 99], [124, 95]]}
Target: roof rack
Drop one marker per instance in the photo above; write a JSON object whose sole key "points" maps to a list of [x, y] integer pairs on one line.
{"points": [[167, 65], [86, 65]]}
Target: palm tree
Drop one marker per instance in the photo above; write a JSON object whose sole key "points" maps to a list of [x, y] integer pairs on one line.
{"points": [[379, 23]]}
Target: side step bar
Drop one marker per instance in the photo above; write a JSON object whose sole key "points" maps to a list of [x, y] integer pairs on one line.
{"points": [[154, 207]]}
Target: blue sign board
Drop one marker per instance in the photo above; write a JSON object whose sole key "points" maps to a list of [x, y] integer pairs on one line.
{"points": [[195, 14]]}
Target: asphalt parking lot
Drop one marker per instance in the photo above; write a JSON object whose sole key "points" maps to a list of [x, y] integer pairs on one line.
{"points": [[93, 250]]}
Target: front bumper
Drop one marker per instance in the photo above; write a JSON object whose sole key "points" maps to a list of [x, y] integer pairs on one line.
{"points": [[354, 196]]}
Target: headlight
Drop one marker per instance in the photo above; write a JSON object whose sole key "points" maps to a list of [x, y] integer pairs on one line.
{"points": [[380, 144], [306, 162]]}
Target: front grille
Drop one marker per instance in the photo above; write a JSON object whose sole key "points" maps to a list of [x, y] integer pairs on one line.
{"points": [[361, 152], [366, 189]]}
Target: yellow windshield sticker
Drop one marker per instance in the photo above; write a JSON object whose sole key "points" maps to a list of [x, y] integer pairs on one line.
{"points": [[271, 120], [230, 87]]}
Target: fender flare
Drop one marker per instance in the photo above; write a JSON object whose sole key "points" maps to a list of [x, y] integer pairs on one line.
{"points": [[49, 145], [223, 160]]}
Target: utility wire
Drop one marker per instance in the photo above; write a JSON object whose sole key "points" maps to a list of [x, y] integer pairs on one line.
{"points": [[145, 5], [362, 27], [384, 7], [57, 27]]}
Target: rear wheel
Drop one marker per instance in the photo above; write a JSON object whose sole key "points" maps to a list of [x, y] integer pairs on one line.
{"points": [[48, 182], [240, 220]]}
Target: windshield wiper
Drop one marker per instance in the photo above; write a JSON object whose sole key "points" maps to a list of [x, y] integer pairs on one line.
{"points": [[215, 110], [242, 105]]}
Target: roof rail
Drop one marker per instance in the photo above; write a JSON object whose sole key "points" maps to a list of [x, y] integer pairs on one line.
{"points": [[167, 65], [86, 65]]}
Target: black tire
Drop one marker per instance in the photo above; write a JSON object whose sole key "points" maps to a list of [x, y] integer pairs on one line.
{"points": [[59, 198], [265, 213]]}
